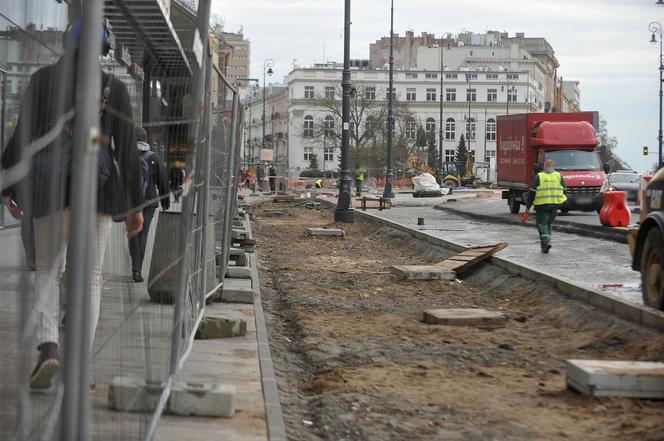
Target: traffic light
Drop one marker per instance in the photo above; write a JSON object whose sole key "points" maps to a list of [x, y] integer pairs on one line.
{"points": [[645, 150]]}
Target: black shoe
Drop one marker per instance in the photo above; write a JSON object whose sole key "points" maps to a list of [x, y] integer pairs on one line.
{"points": [[545, 248], [47, 366], [138, 278]]}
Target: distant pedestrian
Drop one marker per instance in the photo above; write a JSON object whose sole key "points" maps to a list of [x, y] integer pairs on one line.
{"points": [[176, 181], [547, 194], [273, 179], [318, 183], [154, 185], [359, 180]]}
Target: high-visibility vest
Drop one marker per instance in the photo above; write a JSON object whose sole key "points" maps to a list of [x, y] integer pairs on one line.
{"points": [[359, 174], [550, 189]]}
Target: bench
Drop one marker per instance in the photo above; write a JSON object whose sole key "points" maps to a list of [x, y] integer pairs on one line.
{"points": [[383, 203]]}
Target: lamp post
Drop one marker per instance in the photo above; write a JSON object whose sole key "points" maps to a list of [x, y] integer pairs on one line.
{"points": [[510, 89], [251, 122], [656, 27], [387, 191], [468, 98], [267, 68], [344, 212], [441, 128]]}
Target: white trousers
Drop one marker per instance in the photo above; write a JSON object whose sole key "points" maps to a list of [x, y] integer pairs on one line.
{"points": [[51, 238]]}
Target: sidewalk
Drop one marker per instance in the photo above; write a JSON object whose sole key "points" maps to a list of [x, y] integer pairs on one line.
{"points": [[133, 340]]}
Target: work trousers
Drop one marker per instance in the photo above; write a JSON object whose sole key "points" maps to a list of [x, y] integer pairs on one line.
{"points": [[51, 238], [138, 243], [358, 186], [545, 215]]}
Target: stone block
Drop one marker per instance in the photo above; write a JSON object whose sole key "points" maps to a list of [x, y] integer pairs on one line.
{"points": [[326, 232], [237, 294], [422, 272], [133, 395], [202, 399], [238, 272], [239, 256], [215, 325], [635, 379], [239, 234], [465, 317]]}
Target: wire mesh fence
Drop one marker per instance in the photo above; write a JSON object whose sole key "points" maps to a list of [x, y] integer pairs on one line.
{"points": [[120, 149]]}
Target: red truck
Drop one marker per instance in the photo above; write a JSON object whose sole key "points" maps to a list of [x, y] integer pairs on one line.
{"points": [[525, 140]]}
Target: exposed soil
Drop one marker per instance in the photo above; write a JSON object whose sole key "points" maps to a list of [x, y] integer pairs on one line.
{"points": [[354, 360]]}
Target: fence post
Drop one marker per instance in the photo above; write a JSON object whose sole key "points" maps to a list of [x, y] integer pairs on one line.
{"points": [[83, 206], [228, 215]]}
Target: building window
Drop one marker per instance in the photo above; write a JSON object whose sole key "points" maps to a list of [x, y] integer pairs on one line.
{"points": [[471, 94], [492, 76], [470, 129], [491, 129], [328, 126], [512, 76], [411, 129], [489, 154], [430, 125], [430, 76], [472, 76], [450, 94], [370, 93], [411, 94], [329, 92], [308, 92], [328, 155], [450, 128], [308, 126], [511, 95], [308, 153], [492, 95], [411, 76], [431, 94], [450, 155], [451, 76]]}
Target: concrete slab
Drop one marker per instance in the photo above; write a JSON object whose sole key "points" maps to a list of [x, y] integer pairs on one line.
{"points": [[464, 317], [237, 295], [338, 232], [422, 272], [635, 379], [216, 325], [132, 395], [202, 399], [238, 272]]}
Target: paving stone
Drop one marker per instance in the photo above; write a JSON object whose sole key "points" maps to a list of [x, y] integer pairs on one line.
{"points": [[636, 379], [237, 294], [239, 234], [202, 399], [326, 232], [132, 395], [219, 325], [238, 272], [422, 272], [464, 317]]}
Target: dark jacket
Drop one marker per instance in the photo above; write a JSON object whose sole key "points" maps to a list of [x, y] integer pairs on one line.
{"points": [[158, 180], [39, 112]]}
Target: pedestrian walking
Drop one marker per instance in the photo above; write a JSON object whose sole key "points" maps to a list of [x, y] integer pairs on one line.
{"points": [[176, 182], [547, 194], [359, 180], [273, 179], [46, 189], [154, 185]]}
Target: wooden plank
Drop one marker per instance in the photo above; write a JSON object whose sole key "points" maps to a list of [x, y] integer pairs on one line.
{"points": [[470, 257]]}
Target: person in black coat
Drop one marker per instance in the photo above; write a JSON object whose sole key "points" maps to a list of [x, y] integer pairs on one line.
{"points": [[48, 105]]}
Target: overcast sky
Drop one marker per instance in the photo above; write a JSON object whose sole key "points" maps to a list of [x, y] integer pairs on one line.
{"points": [[602, 43]]}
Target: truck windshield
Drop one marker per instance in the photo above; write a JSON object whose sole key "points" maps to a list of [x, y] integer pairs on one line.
{"points": [[574, 160]]}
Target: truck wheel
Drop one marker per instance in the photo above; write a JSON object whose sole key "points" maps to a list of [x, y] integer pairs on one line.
{"points": [[513, 204], [450, 183], [652, 264]]}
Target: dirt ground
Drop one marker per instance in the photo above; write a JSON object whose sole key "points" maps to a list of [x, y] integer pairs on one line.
{"points": [[354, 360]]}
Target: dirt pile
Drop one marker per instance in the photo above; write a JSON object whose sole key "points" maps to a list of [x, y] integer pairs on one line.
{"points": [[354, 360]]}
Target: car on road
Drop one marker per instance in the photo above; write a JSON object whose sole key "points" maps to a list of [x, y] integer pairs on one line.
{"points": [[627, 181]]}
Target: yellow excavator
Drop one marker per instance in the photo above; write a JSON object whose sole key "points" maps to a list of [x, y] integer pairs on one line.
{"points": [[452, 176]]}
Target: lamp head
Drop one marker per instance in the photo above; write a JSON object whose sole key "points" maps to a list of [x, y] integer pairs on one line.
{"points": [[270, 71], [659, 2], [653, 39]]}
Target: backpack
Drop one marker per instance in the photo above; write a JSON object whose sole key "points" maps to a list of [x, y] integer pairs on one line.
{"points": [[146, 174]]}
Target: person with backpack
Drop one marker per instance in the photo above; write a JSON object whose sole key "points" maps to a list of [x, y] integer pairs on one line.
{"points": [[47, 107], [154, 186]]}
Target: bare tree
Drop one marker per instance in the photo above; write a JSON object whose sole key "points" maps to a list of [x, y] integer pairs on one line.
{"points": [[607, 148]]}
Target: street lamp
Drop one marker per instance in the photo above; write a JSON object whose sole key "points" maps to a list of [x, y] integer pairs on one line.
{"points": [[387, 191], [442, 98], [656, 27], [248, 141], [659, 2], [510, 90], [267, 68]]}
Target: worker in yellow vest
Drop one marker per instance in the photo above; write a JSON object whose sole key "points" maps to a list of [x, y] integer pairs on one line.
{"points": [[359, 180], [547, 194]]}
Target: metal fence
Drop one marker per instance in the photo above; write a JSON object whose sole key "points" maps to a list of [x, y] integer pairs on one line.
{"points": [[94, 326]]}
